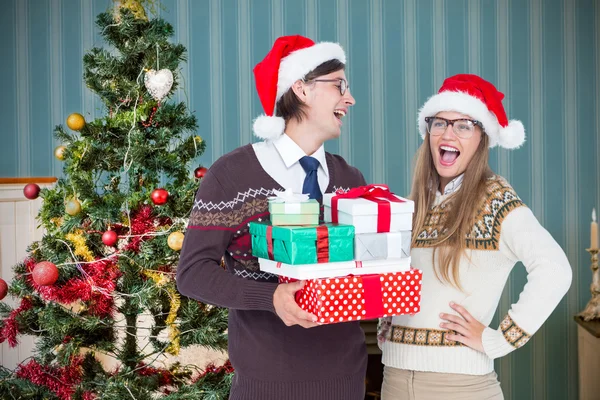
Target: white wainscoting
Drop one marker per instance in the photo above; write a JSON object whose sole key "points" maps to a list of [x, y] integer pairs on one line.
{"points": [[18, 229]]}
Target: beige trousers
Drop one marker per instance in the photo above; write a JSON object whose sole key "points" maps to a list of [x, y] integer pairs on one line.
{"points": [[399, 384]]}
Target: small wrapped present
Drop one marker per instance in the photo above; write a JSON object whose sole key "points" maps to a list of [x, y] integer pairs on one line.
{"points": [[303, 244], [361, 297], [371, 209], [289, 208], [335, 269], [381, 246]]}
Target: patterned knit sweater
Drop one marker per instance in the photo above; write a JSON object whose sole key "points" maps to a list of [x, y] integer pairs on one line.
{"points": [[271, 360], [505, 232]]}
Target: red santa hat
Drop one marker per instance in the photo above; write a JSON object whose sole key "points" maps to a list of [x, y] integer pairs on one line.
{"points": [[290, 59], [473, 96]]}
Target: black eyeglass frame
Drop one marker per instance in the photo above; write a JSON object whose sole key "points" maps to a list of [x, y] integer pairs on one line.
{"points": [[343, 84], [451, 122]]}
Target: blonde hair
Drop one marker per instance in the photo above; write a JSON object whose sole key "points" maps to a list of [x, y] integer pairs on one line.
{"points": [[464, 202]]}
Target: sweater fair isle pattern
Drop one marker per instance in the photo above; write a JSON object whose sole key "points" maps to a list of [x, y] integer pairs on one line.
{"points": [[504, 232]]}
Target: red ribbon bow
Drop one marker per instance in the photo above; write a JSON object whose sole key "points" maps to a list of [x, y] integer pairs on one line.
{"points": [[379, 194]]}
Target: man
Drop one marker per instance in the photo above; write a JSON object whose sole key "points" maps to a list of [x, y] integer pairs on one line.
{"points": [[277, 349]]}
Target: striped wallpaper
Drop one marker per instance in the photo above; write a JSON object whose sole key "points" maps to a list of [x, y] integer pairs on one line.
{"points": [[543, 54]]}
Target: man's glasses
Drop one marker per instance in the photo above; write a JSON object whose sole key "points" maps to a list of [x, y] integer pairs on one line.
{"points": [[343, 85], [463, 128]]}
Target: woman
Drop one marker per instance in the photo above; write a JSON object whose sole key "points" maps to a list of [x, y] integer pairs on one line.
{"points": [[469, 230]]}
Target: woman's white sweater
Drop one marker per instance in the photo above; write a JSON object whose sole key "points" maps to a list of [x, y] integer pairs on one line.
{"points": [[505, 232]]}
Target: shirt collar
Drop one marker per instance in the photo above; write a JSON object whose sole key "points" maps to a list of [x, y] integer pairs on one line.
{"points": [[291, 153], [453, 185]]}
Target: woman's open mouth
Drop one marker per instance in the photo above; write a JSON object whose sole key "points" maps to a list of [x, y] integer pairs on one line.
{"points": [[448, 155]]}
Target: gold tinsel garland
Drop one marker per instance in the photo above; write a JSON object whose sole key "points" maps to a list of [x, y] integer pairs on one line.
{"points": [[57, 221], [81, 248], [160, 279]]}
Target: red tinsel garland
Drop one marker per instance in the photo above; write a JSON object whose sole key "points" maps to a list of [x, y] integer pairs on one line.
{"points": [[142, 222], [96, 289], [89, 396], [10, 328], [165, 377], [62, 381], [212, 369]]}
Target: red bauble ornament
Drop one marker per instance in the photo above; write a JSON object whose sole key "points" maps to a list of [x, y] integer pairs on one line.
{"points": [[159, 196], [31, 191], [44, 273], [3, 289], [200, 172], [109, 238]]}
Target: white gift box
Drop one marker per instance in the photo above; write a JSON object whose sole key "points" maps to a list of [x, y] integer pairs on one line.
{"points": [[380, 246], [362, 213], [336, 269]]}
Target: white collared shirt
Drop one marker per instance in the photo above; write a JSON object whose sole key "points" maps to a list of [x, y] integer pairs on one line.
{"points": [[453, 185], [280, 159]]}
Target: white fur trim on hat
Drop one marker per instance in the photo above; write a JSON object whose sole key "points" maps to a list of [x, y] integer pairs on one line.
{"points": [[509, 137], [300, 62], [513, 136], [268, 128]]}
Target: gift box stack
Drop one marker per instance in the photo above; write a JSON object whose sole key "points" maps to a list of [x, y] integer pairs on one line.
{"points": [[356, 265]]}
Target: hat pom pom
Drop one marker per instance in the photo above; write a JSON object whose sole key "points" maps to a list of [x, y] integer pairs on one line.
{"points": [[513, 136], [268, 128]]}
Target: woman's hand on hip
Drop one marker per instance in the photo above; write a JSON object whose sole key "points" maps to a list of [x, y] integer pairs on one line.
{"points": [[468, 330]]}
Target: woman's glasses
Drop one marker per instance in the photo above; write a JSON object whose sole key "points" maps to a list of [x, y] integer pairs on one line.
{"points": [[463, 128]]}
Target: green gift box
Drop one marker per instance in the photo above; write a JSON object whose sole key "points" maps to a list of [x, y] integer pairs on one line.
{"points": [[303, 244], [297, 213]]}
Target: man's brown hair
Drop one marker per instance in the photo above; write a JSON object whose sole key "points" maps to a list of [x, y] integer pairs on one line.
{"points": [[290, 106]]}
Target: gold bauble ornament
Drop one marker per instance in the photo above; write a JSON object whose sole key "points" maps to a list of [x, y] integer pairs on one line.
{"points": [[175, 240], [73, 207], [76, 121], [59, 152], [198, 139]]}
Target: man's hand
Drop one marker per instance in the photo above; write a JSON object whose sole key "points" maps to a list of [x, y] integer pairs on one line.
{"points": [[469, 330], [287, 309]]}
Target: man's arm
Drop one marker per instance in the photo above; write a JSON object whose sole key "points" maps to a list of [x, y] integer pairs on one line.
{"points": [[199, 274]]}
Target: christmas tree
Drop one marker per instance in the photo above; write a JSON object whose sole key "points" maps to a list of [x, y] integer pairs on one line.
{"points": [[114, 226]]}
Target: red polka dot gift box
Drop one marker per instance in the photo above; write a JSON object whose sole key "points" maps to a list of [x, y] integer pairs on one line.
{"points": [[363, 297]]}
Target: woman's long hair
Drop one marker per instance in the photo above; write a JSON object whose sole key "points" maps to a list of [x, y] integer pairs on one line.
{"points": [[450, 245]]}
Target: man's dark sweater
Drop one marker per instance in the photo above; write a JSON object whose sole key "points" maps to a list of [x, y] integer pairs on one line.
{"points": [[271, 360]]}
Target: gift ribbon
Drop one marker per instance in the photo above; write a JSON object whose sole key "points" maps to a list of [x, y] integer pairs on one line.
{"points": [[270, 242], [291, 201], [373, 296], [379, 194], [322, 244]]}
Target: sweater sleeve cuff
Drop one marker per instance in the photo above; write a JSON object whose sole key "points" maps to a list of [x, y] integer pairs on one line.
{"points": [[261, 297], [494, 343]]}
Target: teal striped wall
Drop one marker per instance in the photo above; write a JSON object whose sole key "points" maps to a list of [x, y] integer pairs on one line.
{"points": [[542, 53]]}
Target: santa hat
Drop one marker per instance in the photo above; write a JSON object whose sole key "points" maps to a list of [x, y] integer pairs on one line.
{"points": [[290, 59], [473, 96]]}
